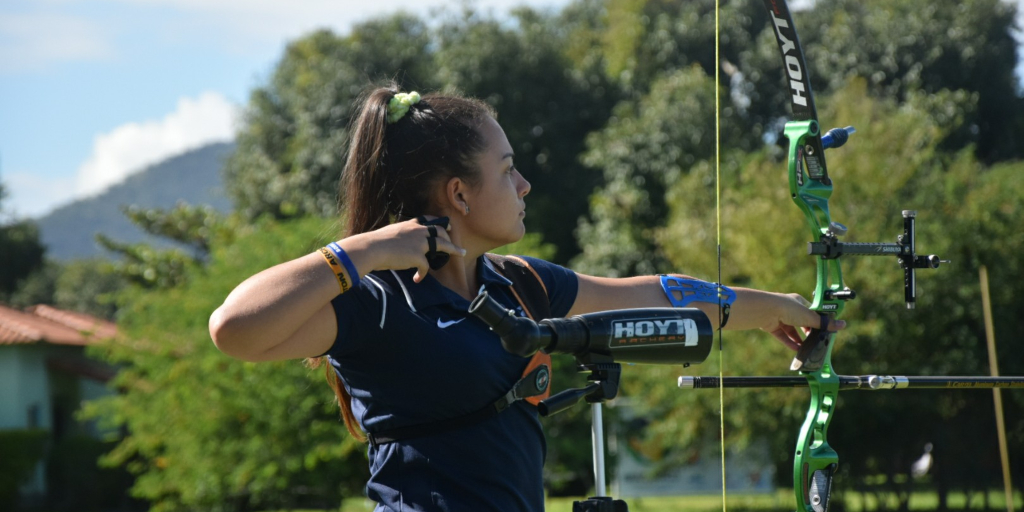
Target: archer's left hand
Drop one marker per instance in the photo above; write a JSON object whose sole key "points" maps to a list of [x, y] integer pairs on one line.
{"points": [[792, 311]]}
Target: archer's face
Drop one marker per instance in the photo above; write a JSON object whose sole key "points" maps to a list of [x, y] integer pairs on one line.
{"points": [[497, 202]]}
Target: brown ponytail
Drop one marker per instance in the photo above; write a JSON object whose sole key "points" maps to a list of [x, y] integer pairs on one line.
{"points": [[344, 400], [393, 170]]}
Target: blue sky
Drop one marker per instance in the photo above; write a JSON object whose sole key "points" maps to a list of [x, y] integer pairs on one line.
{"points": [[93, 90]]}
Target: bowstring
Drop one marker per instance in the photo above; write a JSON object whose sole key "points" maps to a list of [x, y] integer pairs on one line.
{"points": [[718, 225]]}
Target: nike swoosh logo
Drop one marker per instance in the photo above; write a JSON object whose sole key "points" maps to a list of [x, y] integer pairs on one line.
{"points": [[449, 323]]}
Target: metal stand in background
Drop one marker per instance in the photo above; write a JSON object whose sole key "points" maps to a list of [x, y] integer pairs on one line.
{"points": [[597, 438], [601, 502], [604, 385]]}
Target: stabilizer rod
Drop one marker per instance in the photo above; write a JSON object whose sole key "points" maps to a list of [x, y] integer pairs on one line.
{"points": [[858, 382]]}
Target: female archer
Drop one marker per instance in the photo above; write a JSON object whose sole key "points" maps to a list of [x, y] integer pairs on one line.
{"points": [[430, 187]]}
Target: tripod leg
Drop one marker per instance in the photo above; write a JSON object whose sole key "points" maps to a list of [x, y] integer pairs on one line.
{"points": [[597, 439]]}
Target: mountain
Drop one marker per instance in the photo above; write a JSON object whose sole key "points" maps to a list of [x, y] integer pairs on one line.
{"points": [[69, 232]]}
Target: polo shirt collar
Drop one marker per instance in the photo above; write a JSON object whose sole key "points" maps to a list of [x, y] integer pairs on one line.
{"points": [[430, 292]]}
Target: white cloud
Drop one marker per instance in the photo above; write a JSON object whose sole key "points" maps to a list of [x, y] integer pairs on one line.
{"points": [[32, 195], [241, 25], [35, 34], [31, 41], [131, 147]]}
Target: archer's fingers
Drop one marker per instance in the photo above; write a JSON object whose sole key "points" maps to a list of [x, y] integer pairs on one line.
{"points": [[421, 270], [813, 320], [836, 325], [441, 234], [444, 244], [788, 336]]}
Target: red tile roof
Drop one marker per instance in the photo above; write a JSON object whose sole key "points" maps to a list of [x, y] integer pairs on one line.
{"points": [[51, 325]]}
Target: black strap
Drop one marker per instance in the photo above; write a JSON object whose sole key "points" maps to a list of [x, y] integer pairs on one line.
{"points": [[534, 298]]}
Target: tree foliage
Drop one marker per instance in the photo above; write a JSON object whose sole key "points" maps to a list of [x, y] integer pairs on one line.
{"points": [[906, 47], [646, 146], [191, 227], [610, 106], [546, 109], [966, 212], [86, 286], [21, 450], [292, 147], [20, 251], [206, 432]]}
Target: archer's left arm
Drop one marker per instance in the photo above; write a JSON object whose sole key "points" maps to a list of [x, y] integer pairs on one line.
{"points": [[776, 313]]}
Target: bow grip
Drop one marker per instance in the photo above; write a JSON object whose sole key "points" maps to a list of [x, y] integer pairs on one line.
{"points": [[811, 355]]}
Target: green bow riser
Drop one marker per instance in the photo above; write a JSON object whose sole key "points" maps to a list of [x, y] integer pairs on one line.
{"points": [[815, 462]]}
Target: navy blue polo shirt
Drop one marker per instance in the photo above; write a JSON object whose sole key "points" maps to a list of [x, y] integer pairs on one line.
{"points": [[410, 353]]}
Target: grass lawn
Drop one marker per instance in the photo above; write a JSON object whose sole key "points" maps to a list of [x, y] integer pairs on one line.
{"points": [[650, 504], [781, 501]]}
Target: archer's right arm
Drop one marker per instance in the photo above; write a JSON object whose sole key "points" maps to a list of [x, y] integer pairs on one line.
{"points": [[285, 311]]}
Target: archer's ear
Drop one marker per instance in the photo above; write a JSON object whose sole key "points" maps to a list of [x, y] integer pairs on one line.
{"points": [[456, 192]]}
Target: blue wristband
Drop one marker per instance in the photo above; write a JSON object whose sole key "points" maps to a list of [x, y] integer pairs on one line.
{"points": [[346, 261]]}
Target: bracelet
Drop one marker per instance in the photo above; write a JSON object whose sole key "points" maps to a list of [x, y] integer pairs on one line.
{"points": [[346, 261], [332, 255]]}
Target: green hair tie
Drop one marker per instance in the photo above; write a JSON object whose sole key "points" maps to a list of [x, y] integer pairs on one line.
{"points": [[399, 105]]}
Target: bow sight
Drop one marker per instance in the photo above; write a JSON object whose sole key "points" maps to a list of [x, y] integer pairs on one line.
{"points": [[829, 247], [813, 200]]}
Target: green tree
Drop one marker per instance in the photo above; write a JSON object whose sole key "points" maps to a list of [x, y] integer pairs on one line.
{"points": [[898, 47], [291, 148], [967, 212], [546, 103], [192, 227], [640, 42], [205, 432], [904, 47], [648, 145], [21, 253], [89, 286], [22, 450]]}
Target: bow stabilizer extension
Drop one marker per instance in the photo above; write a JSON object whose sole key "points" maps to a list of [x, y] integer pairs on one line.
{"points": [[600, 341]]}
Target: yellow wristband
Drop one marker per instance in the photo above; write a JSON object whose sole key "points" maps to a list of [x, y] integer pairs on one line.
{"points": [[339, 272]]}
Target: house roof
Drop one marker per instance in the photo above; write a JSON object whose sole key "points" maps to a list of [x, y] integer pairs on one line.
{"points": [[48, 324]]}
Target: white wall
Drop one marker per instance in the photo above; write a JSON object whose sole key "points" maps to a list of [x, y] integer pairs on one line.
{"points": [[24, 384], [25, 396]]}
